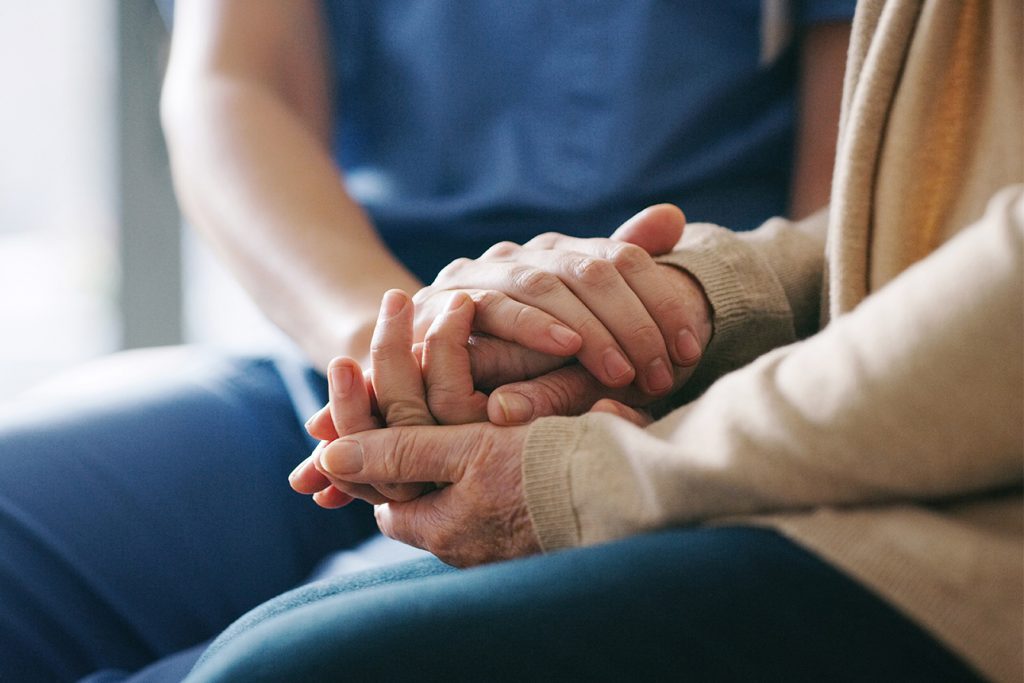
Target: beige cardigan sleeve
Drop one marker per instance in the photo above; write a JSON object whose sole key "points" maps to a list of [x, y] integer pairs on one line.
{"points": [[914, 395], [764, 287]]}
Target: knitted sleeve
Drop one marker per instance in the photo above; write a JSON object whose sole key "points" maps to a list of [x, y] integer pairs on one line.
{"points": [[914, 395]]}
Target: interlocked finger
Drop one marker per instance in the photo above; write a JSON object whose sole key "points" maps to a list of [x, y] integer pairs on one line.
{"points": [[446, 366], [645, 277], [532, 278]]}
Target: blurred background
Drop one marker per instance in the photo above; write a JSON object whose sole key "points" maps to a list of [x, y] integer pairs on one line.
{"points": [[93, 258]]}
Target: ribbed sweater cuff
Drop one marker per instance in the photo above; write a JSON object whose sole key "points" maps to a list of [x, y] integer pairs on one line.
{"points": [[546, 480], [750, 311]]}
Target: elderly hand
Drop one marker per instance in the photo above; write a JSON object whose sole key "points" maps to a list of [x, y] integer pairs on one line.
{"points": [[473, 509], [477, 515], [397, 384]]}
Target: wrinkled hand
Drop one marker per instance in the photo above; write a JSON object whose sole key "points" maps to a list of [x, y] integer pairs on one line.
{"points": [[473, 510], [395, 394], [480, 514]]}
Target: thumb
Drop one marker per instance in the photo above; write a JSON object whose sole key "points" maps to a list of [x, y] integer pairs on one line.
{"points": [[657, 229], [571, 390], [395, 455]]}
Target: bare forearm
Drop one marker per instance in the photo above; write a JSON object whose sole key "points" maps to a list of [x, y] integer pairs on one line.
{"points": [[263, 189]]}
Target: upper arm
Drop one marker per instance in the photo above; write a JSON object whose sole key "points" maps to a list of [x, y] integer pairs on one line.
{"points": [[278, 46], [822, 64]]}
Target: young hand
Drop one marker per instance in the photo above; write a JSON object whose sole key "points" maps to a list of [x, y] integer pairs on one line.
{"points": [[624, 307]]}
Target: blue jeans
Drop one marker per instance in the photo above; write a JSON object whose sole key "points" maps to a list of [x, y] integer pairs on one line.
{"points": [[723, 604], [145, 508]]}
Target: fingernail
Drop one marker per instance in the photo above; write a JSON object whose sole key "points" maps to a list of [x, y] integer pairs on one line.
{"points": [[312, 418], [659, 378], [393, 303], [341, 379], [563, 336], [516, 407], [616, 365], [342, 457], [295, 472], [687, 347]]}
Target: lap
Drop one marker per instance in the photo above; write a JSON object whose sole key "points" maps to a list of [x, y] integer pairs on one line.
{"points": [[708, 604], [144, 505]]}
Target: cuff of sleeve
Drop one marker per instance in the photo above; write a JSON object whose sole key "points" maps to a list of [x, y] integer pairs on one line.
{"points": [[546, 480], [750, 311]]}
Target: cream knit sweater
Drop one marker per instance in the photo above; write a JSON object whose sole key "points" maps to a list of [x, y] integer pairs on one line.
{"points": [[890, 440]]}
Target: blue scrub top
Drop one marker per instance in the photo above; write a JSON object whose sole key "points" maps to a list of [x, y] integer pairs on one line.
{"points": [[465, 122]]}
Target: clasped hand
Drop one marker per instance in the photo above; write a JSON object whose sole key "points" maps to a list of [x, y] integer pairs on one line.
{"points": [[511, 320]]}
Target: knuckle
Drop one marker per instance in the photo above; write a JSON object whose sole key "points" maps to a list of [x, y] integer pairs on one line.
{"points": [[385, 350], [522, 318], [593, 272], [647, 336], [452, 269], [501, 250], [666, 307], [487, 300], [543, 240], [629, 258], [444, 402], [533, 282], [404, 412], [422, 295], [591, 329], [389, 466]]}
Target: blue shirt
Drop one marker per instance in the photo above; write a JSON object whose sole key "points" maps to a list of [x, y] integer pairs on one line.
{"points": [[465, 122]]}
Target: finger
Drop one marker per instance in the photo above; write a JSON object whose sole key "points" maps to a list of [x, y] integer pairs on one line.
{"points": [[503, 317], [657, 229], [496, 362], [350, 408], [349, 404], [331, 498], [416, 523], [567, 391], [532, 279], [308, 479], [404, 454], [397, 379], [654, 288], [320, 426], [613, 407], [601, 285], [354, 489], [305, 478], [446, 366]]}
